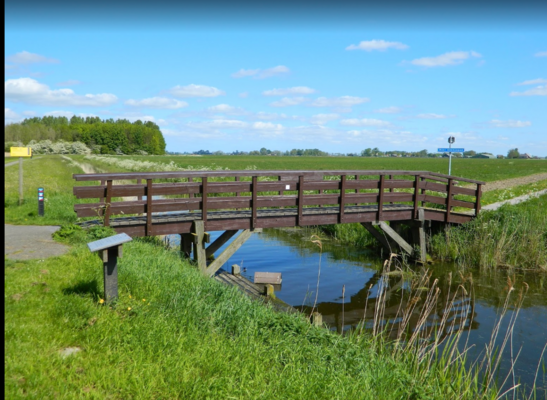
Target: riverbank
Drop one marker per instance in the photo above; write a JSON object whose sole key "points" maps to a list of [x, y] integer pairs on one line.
{"points": [[178, 334]]}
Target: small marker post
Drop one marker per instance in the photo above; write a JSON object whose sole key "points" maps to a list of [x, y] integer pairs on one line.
{"points": [[41, 202]]}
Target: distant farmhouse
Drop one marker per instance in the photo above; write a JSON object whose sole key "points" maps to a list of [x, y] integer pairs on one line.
{"points": [[484, 155], [526, 156]]}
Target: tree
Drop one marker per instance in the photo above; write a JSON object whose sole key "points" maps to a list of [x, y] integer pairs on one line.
{"points": [[469, 153], [513, 153], [366, 152]]}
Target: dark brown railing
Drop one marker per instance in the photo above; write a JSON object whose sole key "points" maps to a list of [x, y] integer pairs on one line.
{"points": [[336, 196]]}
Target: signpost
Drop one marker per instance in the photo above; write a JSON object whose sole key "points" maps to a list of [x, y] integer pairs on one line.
{"points": [[450, 150], [20, 152]]}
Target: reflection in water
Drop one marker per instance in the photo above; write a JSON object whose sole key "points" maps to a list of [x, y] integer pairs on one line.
{"points": [[475, 310]]}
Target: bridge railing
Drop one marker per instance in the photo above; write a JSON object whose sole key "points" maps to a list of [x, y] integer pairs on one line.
{"points": [[124, 194]]}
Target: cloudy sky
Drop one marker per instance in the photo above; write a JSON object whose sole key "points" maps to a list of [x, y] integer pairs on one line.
{"points": [[288, 75]]}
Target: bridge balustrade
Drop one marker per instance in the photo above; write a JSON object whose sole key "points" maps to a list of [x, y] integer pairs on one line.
{"points": [[159, 203]]}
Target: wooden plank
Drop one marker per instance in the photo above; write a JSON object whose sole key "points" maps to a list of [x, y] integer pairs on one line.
{"points": [[273, 278], [188, 188], [219, 242], [228, 252], [139, 182], [395, 237], [379, 237]]}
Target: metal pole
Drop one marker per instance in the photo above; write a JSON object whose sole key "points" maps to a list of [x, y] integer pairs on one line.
{"points": [[20, 180], [449, 158]]}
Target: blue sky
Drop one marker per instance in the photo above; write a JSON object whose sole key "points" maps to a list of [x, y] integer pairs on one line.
{"points": [[282, 78]]}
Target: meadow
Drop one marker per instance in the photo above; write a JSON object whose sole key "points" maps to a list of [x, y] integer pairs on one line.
{"points": [[479, 169], [176, 334]]}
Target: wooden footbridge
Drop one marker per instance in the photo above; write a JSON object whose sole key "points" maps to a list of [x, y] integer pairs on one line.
{"points": [[193, 203]]}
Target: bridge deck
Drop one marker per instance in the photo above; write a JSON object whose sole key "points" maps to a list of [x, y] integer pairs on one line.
{"points": [[175, 223]]}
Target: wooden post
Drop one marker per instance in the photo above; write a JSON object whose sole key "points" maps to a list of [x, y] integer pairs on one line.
{"points": [[416, 190], [226, 254], [381, 198], [200, 256], [342, 198], [186, 241], [110, 272], [237, 180], [204, 200], [317, 319], [139, 181], [449, 200], [478, 199], [418, 233], [148, 207], [391, 190], [21, 181], [107, 210], [300, 198], [103, 182], [269, 290], [254, 203], [236, 269]]}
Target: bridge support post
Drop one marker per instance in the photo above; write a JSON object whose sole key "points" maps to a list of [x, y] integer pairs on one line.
{"points": [[418, 232], [186, 240], [198, 233]]}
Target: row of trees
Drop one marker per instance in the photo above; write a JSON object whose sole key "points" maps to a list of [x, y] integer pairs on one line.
{"points": [[103, 137]]}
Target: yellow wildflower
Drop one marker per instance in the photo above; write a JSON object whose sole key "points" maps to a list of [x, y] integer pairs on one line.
{"points": [[101, 301], [143, 299], [128, 308]]}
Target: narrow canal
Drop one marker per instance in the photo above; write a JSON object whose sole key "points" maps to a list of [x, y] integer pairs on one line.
{"points": [[348, 290]]}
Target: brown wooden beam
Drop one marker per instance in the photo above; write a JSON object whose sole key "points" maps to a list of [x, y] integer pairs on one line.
{"points": [[219, 242], [227, 253]]}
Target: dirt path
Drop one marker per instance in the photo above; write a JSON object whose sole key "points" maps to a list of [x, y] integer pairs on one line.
{"points": [[509, 183]]}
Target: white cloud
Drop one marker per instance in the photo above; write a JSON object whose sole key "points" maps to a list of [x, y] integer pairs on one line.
{"points": [[322, 119], [70, 82], [389, 110], [262, 73], [533, 82], [269, 116], [30, 91], [451, 58], [60, 113], [297, 90], [289, 101], [157, 102], [244, 95], [195, 91], [540, 90], [364, 122], [380, 45], [432, 116], [227, 109], [267, 126], [343, 101], [25, 57], [11, 116], [388, 137], [510, 123], [219, 123], [541, 54]]}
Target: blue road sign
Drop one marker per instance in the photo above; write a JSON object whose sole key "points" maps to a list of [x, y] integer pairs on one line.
{"points": [[450, 150]]}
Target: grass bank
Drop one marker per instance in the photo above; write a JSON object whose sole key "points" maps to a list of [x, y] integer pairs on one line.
{"points": [[512, 236], [177, 334]]}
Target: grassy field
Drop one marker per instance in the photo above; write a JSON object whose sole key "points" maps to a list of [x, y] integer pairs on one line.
{"points": [[479, 169], [176, 334]]}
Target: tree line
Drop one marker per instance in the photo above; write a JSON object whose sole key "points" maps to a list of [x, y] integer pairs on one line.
{"points": [[102, 137]]}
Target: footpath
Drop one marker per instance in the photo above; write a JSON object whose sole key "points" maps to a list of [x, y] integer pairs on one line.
{"points": [[26, 242]]}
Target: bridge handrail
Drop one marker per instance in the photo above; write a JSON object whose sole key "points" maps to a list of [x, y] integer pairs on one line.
{"points": [[205, 194]]}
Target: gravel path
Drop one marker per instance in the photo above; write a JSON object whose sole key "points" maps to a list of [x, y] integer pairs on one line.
{"points": [[509, 183], [26, 242]]}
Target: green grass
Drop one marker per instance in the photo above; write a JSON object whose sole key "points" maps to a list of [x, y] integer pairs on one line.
{"points": [[176, 334], [512, 236], [52, 173], [479, 169]]}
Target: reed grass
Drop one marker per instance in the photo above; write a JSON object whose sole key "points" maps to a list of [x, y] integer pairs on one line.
{"points": [[512, 236]]}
